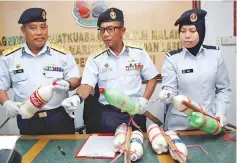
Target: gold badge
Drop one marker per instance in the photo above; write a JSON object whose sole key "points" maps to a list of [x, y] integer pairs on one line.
{"points": [[106, 65], [131, 60], [18, 66], [23, 50], [43, 15], [48, 49], [112, 14], [106, 68], [193, 17]]}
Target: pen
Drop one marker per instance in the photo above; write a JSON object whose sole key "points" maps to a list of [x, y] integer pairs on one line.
{"points": [[61, 150]]}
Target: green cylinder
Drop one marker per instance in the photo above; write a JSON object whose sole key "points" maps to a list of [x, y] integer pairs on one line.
{"points": [[204, 123], [121, 101]]}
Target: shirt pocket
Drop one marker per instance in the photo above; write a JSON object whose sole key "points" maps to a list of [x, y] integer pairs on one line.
{"points": [[107, 79], [186, 78], [54, 74], [132, 72], [18, 77], [108, 75], [132, 76], [189, 81]]}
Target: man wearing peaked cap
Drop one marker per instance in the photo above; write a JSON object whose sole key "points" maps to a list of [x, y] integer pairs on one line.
{"points": [[36, 63], [33, 15], [197, 71], [116, 65], [112, 14]]}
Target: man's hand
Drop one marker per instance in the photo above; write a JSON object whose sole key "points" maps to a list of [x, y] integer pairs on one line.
{"points": [[11, 108], [70, 104], [143, 103], [165, 96], [61, 86]]}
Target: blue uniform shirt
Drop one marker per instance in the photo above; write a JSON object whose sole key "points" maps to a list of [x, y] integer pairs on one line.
{"points": [[26, 72], [123, 72], [204, 79]]}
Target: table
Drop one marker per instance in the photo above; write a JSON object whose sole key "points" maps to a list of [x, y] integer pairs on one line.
{"points": [[43, 149]]}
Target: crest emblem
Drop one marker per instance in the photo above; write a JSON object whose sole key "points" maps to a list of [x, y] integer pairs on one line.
{"points": [[44, 15], [112, 14], [18, 66], [106, 68], [86, 13], [193, 17]]}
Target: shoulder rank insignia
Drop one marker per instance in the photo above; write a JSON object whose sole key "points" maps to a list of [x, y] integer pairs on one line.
{"points": [[58, 48], [173, 52], [100, 51], [211, 47], [11, 50], [134, 45]]}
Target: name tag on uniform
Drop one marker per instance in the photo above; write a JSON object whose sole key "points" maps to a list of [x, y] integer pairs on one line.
{"points": [[18, 71], [187, 71]]}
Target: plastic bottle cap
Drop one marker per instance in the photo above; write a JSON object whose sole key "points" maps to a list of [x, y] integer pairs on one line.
{"points": [[134, 158], [101, 90], [54, 83]]}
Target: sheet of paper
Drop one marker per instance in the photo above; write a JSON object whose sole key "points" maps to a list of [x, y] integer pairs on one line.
{"points": [[98, 146], [8, 142]]}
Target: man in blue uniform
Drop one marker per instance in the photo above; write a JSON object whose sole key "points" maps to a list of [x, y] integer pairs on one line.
{"points": [[116, 65], [36, 63]]}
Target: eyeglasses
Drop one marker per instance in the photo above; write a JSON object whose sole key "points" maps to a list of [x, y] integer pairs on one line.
{"points": [[109, 29]]}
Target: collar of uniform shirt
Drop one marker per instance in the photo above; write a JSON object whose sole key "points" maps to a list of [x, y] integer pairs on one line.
{"points": [[186, 52], [43, 50], [111, 51]]}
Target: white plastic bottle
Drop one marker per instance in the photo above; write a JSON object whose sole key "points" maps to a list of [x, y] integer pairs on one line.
{"points": [[120, 136], [36, 101], [157, 140], [136, 147], [177, 102], [178, 143]]}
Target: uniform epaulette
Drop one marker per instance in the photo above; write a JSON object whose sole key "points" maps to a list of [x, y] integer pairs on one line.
{"points": [[58, 48], [173, 52], [11, 50], [100, 51], [211, 47], [134, 45]]}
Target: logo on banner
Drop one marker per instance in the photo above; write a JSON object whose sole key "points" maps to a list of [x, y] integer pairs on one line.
{"points": [[87, 12]]}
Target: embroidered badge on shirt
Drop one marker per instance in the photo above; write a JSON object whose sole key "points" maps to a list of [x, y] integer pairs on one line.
{"points": [[187, 71], [106, 67], [131, 60], [18, 66], [52, 67]]}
